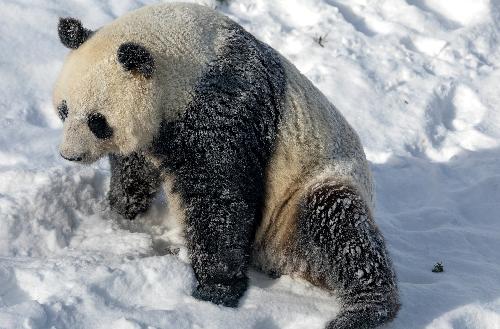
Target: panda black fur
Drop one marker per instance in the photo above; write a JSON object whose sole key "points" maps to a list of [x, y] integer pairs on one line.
{"points": [[259, 166]]}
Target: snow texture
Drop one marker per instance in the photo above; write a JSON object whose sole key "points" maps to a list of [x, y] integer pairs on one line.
{"points": [[417, 79]]}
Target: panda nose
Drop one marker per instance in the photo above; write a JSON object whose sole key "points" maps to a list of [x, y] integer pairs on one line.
{"points": [[71, 159]]}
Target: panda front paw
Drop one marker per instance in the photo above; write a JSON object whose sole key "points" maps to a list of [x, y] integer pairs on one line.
{"points": [[221, 294], [124, 207]]}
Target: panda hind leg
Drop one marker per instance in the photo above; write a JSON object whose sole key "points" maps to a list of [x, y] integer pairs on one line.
{"points": [[345, 252], [133, 185]]}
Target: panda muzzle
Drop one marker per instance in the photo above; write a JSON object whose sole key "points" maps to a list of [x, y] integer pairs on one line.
{"points": [[77, 159]]}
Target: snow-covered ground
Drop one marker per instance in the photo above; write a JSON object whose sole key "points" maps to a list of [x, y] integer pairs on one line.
{"points": [[418, 79]]}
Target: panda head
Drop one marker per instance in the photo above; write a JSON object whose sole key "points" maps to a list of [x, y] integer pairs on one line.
{"points": [[104, 94]]}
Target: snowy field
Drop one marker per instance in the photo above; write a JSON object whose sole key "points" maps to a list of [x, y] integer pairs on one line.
{"points": [[418, 79]]}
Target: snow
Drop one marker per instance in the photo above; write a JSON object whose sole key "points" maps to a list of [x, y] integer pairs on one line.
{"points": [[418, 79]]}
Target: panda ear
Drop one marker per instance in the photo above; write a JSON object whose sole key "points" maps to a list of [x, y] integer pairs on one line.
{"points": [[136, 58], [71, 32]]}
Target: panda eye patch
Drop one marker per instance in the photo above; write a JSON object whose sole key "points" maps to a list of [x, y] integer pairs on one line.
{"points": [[98, 126], [62, 110]]}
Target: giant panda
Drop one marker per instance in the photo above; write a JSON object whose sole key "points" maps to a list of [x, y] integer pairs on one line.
{"points": [[258, 166]]}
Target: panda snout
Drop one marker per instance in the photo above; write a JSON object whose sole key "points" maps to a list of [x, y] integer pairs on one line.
{"points": [[78, 158]]}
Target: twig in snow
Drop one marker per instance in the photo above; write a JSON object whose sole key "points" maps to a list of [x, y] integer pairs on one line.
{"points": [[321, 40], [438, 267]]}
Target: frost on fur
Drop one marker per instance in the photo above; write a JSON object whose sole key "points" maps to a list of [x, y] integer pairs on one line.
{"points": [[134, 183], [135, 57], [71, 32], [346, 253]]}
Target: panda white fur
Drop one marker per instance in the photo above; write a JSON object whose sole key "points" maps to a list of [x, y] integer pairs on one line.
{"points": [[259, 166]]}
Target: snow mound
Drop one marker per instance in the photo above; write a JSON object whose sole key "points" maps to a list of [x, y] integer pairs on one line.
{"points": [[462, 13]]}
